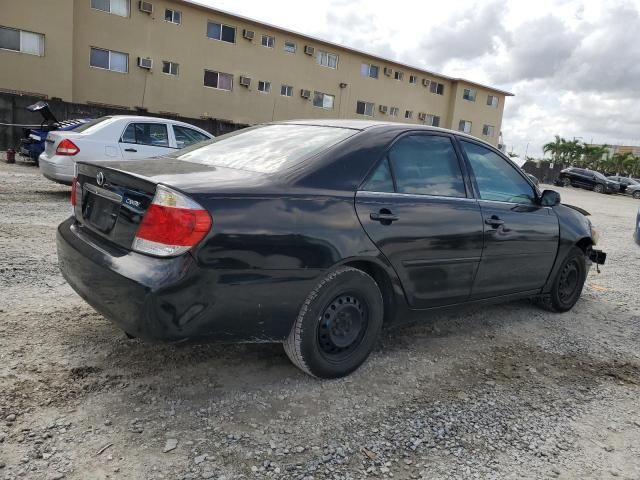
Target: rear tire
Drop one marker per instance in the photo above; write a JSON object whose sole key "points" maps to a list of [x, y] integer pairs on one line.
{"points": [[567, 286], [566, 182], [636, 195], [599, 188], [337, 326]]}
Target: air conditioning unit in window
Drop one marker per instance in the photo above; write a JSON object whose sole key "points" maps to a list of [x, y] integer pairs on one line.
{"points": [[426, 82], [245, 81], [383, 108], [248, 34], [146, 7], [388, 72], [145, 62], [309, 50], [422, 116], [305, 93]]}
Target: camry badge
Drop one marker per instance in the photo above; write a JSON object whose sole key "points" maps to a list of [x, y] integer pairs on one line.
{"points": [[100, 179]]}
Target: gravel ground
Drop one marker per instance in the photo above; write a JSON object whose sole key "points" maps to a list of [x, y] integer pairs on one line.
{"points": [[505, 391]]}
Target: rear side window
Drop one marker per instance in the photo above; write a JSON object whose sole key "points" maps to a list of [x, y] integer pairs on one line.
{"points": [[92, 123], [427, 165], [152, 134], [187, 136], [497, 179], [267, 149]]}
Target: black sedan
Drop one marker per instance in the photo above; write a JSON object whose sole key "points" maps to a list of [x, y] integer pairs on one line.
{"points": [[584, 178], [316, 234]]}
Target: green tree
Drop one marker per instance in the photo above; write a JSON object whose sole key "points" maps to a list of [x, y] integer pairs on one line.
{"points": [[555, 148], [621, 161]]}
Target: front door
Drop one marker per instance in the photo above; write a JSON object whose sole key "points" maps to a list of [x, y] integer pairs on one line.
{"points": [[417, 208], [520, 237], [144, 140]]}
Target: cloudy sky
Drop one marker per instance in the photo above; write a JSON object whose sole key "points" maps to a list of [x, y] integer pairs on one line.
{"points": [[573, 65]]}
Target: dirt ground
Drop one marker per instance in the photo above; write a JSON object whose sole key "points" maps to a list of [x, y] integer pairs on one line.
{"points": [[506, 391]]}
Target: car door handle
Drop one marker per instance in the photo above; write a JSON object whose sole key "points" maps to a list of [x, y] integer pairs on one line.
{"points": [[130, 150], [494, 221], [384, 216]]}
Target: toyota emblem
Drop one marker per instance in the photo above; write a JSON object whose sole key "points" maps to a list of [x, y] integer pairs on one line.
{"points": [[100, 178]]}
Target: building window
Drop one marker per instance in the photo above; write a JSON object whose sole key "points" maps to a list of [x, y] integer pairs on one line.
{"points": [[365, 108], [413, 79], [116, 7], [219, 80], [492, 101], [488, 130], [469, 94], [264, 87], [327, 59], [323, 100], [408, 114], [224, 33], [21, 41], [173, 16], [290, 47], [437, 88], [268, 41], [114, 61], [464, 126], [170, 68], [432, 120], [286, 90], [394, 111], [398, 75], [369, 70]]}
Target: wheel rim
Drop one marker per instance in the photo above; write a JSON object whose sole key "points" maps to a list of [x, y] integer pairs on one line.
{"points": [[599, 188], [636, 195], [342, 326], [569, 282], [566, 182]]}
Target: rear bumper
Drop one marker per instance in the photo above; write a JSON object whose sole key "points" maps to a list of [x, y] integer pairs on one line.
{"points": [[173, 299], [56, 168]]}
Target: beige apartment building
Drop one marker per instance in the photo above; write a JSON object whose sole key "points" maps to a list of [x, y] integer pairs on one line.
{"points": [[176, 57]]}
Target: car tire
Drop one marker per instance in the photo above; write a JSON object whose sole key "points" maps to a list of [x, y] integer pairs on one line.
{"points": [[566, 182], [636, 195], [338, 324], [599, 188], [567, 286]]}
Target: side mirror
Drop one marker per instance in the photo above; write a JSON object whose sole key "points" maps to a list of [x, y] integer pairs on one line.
{"points": [[549, 198]]}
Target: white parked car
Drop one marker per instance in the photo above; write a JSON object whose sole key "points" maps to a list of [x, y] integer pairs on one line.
{"points": [[118, 137]]}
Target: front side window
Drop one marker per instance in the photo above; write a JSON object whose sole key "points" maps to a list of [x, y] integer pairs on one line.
{"points": [[187, 136], [323, 100], [369, 70], [427, 165], [109, 60], [290, 47], [268, 149], [488, 130], [469, 94], [224, 33], [327, 59], [152, 134], [170, 68], [492, 101], [365, 108], [173, 16], [268, 41], [22, 41], [286, 90], [116, 7], [464, 126], [219, 80], [381, 179], [496, 178], [264, 86], [437, 88]]}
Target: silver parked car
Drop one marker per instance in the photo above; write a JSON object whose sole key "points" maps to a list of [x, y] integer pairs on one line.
{"points": [[628, 185]]}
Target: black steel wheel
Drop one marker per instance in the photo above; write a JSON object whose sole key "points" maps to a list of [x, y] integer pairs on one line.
{"points": [[338, 324], [567, 286]]}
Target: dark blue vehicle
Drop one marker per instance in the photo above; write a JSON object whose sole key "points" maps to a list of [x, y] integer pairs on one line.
{"points": [[32, 145]]}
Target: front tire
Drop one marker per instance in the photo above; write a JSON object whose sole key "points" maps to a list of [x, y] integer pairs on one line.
{"points": [[567, 286], [599, 188], [566, 182], [636, 195], [338, 324]]}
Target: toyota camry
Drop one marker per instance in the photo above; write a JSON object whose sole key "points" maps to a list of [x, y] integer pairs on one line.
{"points": [[316, 234]]}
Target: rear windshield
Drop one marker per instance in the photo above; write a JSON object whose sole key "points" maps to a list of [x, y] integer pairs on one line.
{"points": [[91, 123], [267, 149]]}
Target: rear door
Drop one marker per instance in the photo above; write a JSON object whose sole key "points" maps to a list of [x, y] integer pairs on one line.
{"points": [[417, 208], [520, 236], [145, 139]]}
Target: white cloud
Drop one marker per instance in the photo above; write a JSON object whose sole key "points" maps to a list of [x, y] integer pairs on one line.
{"points": [[574, 65]]}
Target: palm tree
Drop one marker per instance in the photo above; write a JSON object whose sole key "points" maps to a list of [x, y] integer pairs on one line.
{"points": [[554, 148], [620, 161], [632, 165]]}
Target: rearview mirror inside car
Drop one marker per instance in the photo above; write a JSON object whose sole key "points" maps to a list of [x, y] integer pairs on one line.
{"points": [[549, 198]]}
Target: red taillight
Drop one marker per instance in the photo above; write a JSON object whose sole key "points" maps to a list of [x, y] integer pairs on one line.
{"points": [[67, 147], [172, 224], [74, 185]]}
